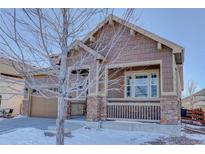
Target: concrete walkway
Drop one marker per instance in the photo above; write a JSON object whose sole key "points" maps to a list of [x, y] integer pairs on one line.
{"points": [[40, 123]]}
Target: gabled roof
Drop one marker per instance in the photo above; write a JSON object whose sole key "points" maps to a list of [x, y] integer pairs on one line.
{"points": [[12, 67], [199, 93], [78, 43], [6, 66], [176, 48]]}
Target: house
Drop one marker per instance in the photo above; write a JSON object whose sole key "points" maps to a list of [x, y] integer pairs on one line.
{"points": [[195, 101], [11, 86], [141, 76]]}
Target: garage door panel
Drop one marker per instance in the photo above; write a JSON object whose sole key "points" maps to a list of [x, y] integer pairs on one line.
{"points": [[43, 107]]}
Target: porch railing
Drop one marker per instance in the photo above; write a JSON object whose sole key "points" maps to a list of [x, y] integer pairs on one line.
{"points": [[134, 111]]}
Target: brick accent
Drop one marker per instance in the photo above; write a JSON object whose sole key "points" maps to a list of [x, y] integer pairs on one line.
{"points": [[170, 110], [96, 108]]}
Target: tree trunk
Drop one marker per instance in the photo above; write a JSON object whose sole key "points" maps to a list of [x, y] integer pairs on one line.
{"points": [[60, 122], [62, 82]]}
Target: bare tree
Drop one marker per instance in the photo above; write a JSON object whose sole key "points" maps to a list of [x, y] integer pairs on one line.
{"points": [[191, 87], [47, 40]]}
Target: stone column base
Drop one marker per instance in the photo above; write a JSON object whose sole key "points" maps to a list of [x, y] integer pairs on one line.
{"points": [[96, 108], [68, 110], [170, 110]]}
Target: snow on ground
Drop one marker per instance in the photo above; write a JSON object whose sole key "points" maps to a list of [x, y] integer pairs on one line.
{"points": [[80, 136], [200, 137], [19, 116], [15, 117], [96, 136], [25, 136], [193, 126], [108, 136]]}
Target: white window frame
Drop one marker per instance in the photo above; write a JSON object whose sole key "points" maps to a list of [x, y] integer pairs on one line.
{"points": [[145, 72], [141, 74], [150, 84]]}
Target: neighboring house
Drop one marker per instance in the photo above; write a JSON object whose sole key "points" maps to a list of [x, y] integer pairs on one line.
{"points": [[11, 86], [195, 101], [150, 73]]}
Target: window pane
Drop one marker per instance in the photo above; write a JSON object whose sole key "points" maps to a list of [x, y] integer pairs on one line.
{"points": [[153, 78], [141, 83], [128, 91], [129, 80], [141, 80], [141, 91], [153, 90]]}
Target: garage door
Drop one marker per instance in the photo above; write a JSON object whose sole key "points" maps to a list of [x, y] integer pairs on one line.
{"points": [[42, 107]]}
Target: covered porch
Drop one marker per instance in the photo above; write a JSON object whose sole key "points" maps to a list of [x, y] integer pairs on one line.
{"points": [[134, 93]]}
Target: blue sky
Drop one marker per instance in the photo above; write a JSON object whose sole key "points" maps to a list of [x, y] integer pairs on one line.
{"points": [[185, 27]]}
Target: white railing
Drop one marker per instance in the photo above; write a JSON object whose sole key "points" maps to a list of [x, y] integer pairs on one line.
{"points": [[134, 111]]}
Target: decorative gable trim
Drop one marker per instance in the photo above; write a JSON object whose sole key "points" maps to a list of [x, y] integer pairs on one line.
{"points": [[176, 48], [78, 43]]}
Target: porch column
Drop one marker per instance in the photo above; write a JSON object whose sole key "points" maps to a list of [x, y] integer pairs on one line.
{"points": [[78, 73], [68, 110], [96, 100], [93, 105], [170, 110], [25, 107], [97, 77], [26, 103]]}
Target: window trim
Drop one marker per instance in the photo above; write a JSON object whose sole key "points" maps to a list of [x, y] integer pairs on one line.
{"points": [[144, 72]]}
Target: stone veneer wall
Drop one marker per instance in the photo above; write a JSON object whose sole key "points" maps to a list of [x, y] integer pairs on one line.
{"points": [[170, 110], [96, 108]]}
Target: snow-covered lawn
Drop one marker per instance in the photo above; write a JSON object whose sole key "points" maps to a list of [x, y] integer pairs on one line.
{"points": [[89, 136], [80, 136]]}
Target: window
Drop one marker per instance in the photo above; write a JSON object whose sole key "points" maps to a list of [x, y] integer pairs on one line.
{"points": [[129, 86], [142, 85], [154, 83], [54, 89]]}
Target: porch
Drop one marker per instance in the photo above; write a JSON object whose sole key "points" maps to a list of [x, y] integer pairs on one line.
{"points": [[134, 93]]}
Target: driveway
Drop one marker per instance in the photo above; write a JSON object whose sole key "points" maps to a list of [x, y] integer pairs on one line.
{"points": [[39, 123]]}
